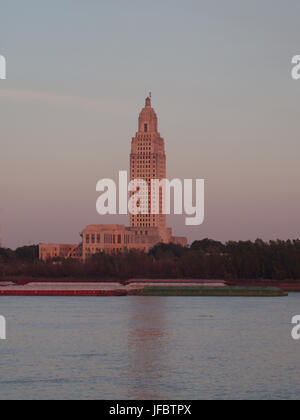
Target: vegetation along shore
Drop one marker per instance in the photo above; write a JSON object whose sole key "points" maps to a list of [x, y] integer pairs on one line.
{"points": [[251, 264]]}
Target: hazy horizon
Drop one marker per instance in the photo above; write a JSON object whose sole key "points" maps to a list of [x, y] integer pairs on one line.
{"points": [[220, 75]]}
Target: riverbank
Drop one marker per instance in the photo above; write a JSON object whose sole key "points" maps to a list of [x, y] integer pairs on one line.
{"points": [[135, 288], [286, 285], [211, 291]]}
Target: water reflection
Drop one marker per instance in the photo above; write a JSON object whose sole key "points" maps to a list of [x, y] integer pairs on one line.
{"points": [[148, 347]]}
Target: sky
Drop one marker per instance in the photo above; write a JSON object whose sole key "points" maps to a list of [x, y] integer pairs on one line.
{"points": [[78, 73]]}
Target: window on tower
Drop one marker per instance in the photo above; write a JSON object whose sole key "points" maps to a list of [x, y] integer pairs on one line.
{"points": [[145, 128]]}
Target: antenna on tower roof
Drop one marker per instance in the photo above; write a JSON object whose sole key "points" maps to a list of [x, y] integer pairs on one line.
{"points": [[150, 95]]}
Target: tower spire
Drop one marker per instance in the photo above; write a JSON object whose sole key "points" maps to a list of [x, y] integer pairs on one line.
{"points": [[148, 118]]}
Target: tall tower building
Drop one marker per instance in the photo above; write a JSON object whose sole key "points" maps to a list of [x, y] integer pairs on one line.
{"points": [[147, 162]]}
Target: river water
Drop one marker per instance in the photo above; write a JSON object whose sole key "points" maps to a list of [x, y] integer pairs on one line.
{"points": [[149, 348]]}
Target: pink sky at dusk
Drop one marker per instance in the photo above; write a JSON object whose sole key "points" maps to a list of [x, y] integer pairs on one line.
{"points": [[228, 110]]}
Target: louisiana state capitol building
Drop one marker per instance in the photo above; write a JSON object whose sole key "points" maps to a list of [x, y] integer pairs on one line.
{"points": [[147, 162]]}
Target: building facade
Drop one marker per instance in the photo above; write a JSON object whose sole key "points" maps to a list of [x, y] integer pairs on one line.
{"points": [[114, 239], [59, 251], [147, 162]]}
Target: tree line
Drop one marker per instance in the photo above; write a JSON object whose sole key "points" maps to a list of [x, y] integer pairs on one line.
{"points": [[204, 259]]}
